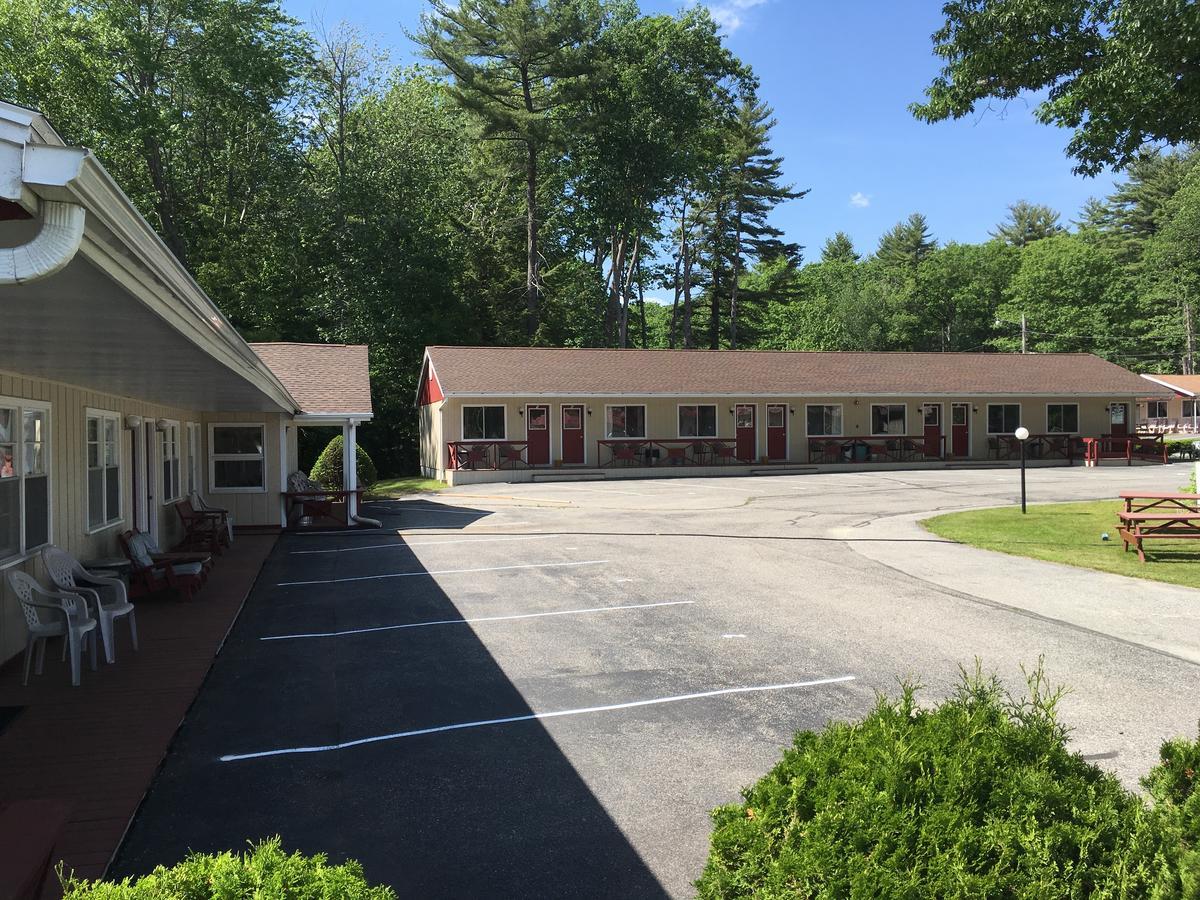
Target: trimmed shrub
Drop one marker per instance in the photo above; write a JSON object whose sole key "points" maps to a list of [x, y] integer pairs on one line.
{"points": [[327, 470], [978, 797], [265, 870]]}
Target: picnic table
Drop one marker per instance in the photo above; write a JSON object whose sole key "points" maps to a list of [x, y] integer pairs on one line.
{"points": [[1161, 515]]}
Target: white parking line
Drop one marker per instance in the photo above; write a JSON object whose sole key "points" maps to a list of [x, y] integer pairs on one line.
{"points": [[508, 720], [560, 565], [541, 615], [492, 540]]}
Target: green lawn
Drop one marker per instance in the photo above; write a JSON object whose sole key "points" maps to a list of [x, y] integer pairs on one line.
{"points": [[1070, 533], [410, 484]]}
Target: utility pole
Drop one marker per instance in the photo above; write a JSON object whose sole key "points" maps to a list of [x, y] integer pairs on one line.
{"points": [[1024, 335], [1189, 359]]}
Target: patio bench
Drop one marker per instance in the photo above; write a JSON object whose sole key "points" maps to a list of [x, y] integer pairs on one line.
{"points": [[29, 831]]}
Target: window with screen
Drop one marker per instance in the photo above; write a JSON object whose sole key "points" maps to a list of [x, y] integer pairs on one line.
{"points": [[697, 420], [237, 458], [625, 421], [1003, 418], [889, 418], [824, 421], [1062, 418], [24, 477]]}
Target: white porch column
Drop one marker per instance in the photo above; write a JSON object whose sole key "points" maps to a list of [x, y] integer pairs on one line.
{"points": [[350, 468]]}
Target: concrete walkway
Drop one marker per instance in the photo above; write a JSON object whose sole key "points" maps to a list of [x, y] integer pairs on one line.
{"points": [[1161, 617]]}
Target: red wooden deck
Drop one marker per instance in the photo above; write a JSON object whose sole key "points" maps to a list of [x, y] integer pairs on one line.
{"points": [[99, 746]]}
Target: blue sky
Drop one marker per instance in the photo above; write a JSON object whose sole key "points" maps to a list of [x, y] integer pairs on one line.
{"points": [[840, 76]]}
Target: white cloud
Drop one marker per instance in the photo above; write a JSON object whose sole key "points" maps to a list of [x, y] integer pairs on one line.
{"points": [[859, 200], [729, 14]]}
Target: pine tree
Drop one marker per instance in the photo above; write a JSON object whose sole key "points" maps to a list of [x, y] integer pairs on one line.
{"points": [[1026, 223], [742, 233], [907, 243], [839, 248], [517, 64]]}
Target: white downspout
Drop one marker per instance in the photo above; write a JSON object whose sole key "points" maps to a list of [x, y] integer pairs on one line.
{"points": [[55, 245], [350, 475]]}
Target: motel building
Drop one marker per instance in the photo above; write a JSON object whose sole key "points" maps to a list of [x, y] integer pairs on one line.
{"points": [[526, 414], [123, 389]]}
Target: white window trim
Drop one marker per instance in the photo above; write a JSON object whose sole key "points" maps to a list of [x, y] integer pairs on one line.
{"points": [[102, 414], [462, 421], [214, 458], [987, 418], [1049, 430], [165, 498], [871, 413], [192, 430], [841, 415], [609, 437], [20, 404], [698, 437]]}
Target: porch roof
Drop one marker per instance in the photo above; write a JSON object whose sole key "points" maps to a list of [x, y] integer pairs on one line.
{"points": [[531, 371], [1183, 385], [327, 380]]}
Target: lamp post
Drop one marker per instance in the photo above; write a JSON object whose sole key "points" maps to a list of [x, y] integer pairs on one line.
{"points": [[1022, 435]]}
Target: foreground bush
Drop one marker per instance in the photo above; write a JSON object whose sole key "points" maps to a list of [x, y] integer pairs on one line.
{"points": [[978, 797], [264, 872], [327, 470]]}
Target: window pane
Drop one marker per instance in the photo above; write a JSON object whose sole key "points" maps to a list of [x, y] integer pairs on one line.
{"points": [[615, 426], [635, 421], [95, 497], [472, 423], [6, 426], [816, 420], [572, 418], [237, 439], [707, 421], [112, 492], [8, 454], [10, 525], [744, 416], [238, 473], [775, 416], [687, 421], [37, 511], [493, 423], [35, 426], [1190, 408], [539, 418]]}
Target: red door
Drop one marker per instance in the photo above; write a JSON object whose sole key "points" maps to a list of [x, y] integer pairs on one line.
{"points": [[572, 435], [745, 430], [537, 432], [777, 443], [1118, 419], [932, 413], [960, 430]]}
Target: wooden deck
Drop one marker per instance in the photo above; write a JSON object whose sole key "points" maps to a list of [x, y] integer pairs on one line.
{"points": [[99, 746]]}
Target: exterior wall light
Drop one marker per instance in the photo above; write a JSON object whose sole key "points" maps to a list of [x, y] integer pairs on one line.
{"points": [[132, 421]]}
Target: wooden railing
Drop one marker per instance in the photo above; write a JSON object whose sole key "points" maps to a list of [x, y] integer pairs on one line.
{"points": [[668, 452], [488, 455], [1037, 446], [1127, 447], [898, 448]]}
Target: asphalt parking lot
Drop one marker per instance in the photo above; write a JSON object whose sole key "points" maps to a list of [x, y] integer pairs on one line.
{"points": [[540, 690]]}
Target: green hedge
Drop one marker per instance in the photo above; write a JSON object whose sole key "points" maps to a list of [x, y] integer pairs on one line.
{"points": [[264, 872], [327, 470], [978, 797]]}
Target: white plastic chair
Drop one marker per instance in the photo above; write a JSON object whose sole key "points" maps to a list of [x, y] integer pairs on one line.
{"points": [[67, 616], [68, 574], [199, 505]]}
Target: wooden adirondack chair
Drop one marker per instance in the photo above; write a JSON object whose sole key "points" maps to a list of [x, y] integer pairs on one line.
{"points": [[205, 530], [150, 576]]}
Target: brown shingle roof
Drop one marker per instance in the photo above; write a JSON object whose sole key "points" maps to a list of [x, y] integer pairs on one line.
{"points": [[1189, 384], [523, 371], [323, 378]]}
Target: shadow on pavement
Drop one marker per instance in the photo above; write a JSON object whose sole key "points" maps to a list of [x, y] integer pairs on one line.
{"points": [[495, 811]]}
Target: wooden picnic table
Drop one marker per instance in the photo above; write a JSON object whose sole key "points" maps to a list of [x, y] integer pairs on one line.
{"points": [[1141, 501], [1158, 523]]}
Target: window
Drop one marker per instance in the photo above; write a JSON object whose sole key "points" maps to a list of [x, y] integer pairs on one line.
{"points": [[1191, 408], [483, 423], [1062, 418], [697, 421], [193, 456], [776, 415], [236, 459], [625, 421], [889, 418], [572, 418], [168, 439], [824, 421], [103, 434], [24, 476], [1156, 409], [1003, 418]]}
